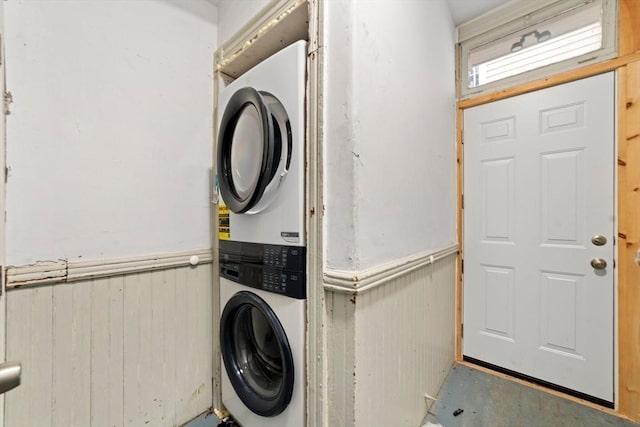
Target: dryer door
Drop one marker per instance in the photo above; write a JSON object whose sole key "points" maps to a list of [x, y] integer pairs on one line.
{"points": [[254, 150], [256, 354]]}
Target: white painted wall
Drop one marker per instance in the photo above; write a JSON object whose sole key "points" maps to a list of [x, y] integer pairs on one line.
{"points": [[390, 131], [109, 137], [234, 14]]}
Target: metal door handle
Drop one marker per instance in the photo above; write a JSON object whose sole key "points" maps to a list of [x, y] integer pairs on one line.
{"points": [[599, 263], [9, 376], [599, 240]]}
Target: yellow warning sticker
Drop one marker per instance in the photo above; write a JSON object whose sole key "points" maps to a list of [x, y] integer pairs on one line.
{"points": [[223, 222]]}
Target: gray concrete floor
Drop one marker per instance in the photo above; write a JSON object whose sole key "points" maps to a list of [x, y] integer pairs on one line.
{"points": [[488, 400], [204, 420], [491, 401]]}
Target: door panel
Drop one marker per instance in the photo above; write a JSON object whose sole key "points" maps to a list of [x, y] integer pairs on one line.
{"points": [[538, 184], [560, 295], [498, 200], [499, 288], [562, 198]]}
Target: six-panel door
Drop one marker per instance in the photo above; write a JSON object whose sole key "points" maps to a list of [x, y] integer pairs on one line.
{"points": [[538, 189]]}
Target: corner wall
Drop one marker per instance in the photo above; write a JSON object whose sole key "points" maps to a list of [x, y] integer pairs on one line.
{"points": [[390, 208], [390, 161], [109, 164]]}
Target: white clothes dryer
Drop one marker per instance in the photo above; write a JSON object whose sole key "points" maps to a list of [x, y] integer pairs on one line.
{"points": [[261, 151]]}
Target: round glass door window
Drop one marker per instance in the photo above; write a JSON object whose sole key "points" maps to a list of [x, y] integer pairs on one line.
{"points": [[254, 150], [246, 152], [256, 354]]}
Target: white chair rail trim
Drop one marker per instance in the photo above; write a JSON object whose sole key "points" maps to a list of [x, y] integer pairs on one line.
{"points": [[64, 271], [358, 282]]}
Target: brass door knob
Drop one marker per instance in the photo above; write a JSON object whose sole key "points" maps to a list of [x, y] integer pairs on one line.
{"points": [[599, 263], [599, 240]]}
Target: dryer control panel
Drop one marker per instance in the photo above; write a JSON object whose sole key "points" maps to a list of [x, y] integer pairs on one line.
{"points": [[273, 268]]}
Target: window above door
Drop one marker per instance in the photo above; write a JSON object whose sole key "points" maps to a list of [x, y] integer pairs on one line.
{"points": [[527, 40]]}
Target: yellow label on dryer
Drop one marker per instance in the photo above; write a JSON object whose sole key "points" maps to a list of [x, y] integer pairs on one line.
{"points": [[224, 233]]}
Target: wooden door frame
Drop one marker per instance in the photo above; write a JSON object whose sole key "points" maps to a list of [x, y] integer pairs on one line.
{"points": [[627, 68]]}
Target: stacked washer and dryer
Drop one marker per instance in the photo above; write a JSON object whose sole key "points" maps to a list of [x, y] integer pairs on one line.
{"points": [[261, 158]]}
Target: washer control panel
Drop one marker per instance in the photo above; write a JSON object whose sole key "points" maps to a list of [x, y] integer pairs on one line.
{"points": [[274, 268]]}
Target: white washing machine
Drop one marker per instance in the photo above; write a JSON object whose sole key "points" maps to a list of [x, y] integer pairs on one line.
{"points": [[262, 345], [262, 242]]}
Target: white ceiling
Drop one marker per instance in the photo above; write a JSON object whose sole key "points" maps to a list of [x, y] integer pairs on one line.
{"points": [[465, 10], [461, 10]]}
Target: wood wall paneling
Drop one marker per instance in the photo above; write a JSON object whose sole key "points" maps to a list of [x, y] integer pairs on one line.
{"points": [[459, 231], [628, 34], [391, 345], [70, 355], [629, 240], [316, 337], [107, 354], [30, 340], [405, 345], [341, 359], [132, 349]]}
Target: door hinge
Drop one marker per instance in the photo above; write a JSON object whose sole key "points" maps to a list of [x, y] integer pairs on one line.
{"points": [[462, 201], [462, 266], [462, 330]]}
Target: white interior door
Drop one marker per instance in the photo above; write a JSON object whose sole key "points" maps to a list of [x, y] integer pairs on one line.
{"points": [[538, 186]]}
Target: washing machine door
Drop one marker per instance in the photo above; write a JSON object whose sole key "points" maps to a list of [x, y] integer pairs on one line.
{"points": [[254, 150], [256, 354]]}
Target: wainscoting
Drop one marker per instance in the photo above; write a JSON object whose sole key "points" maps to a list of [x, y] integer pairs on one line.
{"points": [[390, 340], [128, 349]]}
